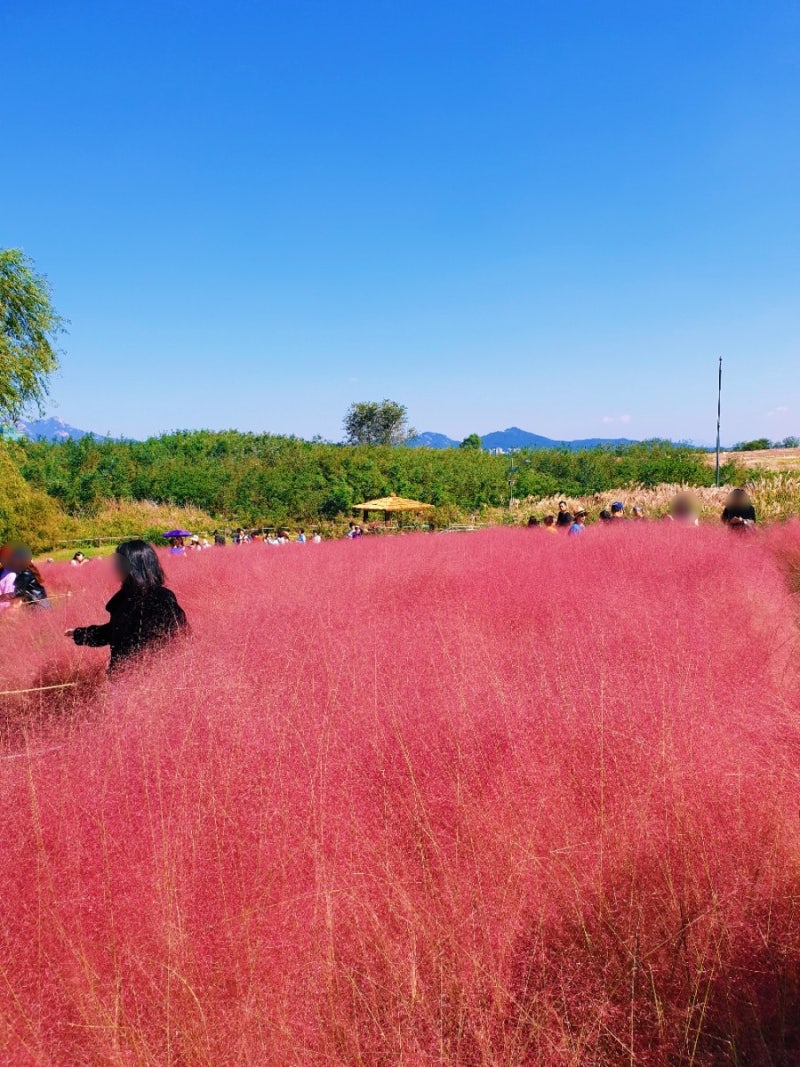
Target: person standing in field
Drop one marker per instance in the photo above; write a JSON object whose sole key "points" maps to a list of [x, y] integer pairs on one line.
{"points": [[564, 517], [684, 510], [143, 613], [550, 524], [617, 510], [579, 523], [739, 512]]}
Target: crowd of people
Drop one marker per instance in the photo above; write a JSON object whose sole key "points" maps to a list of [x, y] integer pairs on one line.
{"points": [[738, 514], [280, 536], [144, 613]]}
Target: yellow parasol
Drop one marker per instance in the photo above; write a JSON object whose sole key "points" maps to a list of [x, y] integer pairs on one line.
{"points": [[390, 505]]}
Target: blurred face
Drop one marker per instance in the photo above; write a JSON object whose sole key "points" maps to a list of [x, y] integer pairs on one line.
{"points": [[562, 506]]}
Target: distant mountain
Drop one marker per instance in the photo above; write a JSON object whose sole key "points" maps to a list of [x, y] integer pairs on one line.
{"points": [[513, 438], [432, 440], [53, 430]]}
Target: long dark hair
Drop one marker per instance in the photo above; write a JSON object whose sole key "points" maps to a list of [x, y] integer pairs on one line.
{"points": [[21, 559], [141, 566]]}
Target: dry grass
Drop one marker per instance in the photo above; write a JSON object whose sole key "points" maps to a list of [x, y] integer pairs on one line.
{"points": [[776, 496], [128, 518], [770, 459]]}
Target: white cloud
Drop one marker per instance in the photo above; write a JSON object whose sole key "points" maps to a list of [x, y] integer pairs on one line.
{"points": [[781, 409], [608, 419], [625, 418]]}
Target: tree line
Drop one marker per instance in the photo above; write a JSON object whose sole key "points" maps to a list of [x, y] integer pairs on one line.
{"points": [[257, 479], [263, 478]]}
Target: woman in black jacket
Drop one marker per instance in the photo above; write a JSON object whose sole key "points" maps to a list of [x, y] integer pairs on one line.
{"points": [[143, 613], [739, 512]]}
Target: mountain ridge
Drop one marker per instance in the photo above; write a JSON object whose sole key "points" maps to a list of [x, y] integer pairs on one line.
{"points": [[53, 429], [513, 438]]}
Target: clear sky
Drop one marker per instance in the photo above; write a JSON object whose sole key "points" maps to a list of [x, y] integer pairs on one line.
{"points": [[555, 215]]}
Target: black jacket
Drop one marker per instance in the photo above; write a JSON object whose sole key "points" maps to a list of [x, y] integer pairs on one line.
{"points": [[29, 589], [745, 512], [138, 620]]}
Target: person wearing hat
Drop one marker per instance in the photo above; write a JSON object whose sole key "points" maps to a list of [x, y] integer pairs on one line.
{"points": [[617, 510], [177, 546], [578, 523]]}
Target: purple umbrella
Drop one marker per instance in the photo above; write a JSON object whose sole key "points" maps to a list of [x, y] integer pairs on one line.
{"points": [[171, 534]]}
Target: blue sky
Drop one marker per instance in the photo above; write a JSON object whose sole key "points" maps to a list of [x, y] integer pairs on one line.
{"points": [[551, 215]]}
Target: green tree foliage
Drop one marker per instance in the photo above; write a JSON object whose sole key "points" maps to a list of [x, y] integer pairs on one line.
{"points": [[254, 479], [29, 325], [760, 444], [472, 441], [27, 515], [372, 423]]}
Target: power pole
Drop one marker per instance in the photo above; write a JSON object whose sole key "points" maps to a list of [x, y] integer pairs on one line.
{"points": [[719, 414]]}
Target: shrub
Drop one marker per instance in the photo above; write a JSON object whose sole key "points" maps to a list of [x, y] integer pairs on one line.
{"points": [[27, 515]]}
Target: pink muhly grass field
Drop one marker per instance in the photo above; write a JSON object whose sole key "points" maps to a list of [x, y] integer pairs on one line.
{"points": [[491, 799]]}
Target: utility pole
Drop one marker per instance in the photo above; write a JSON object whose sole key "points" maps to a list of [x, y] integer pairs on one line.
{"points": [[719, 413]]}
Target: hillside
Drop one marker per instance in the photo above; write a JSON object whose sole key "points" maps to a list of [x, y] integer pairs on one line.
{"points": [[53, 429], [514, 438]]}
